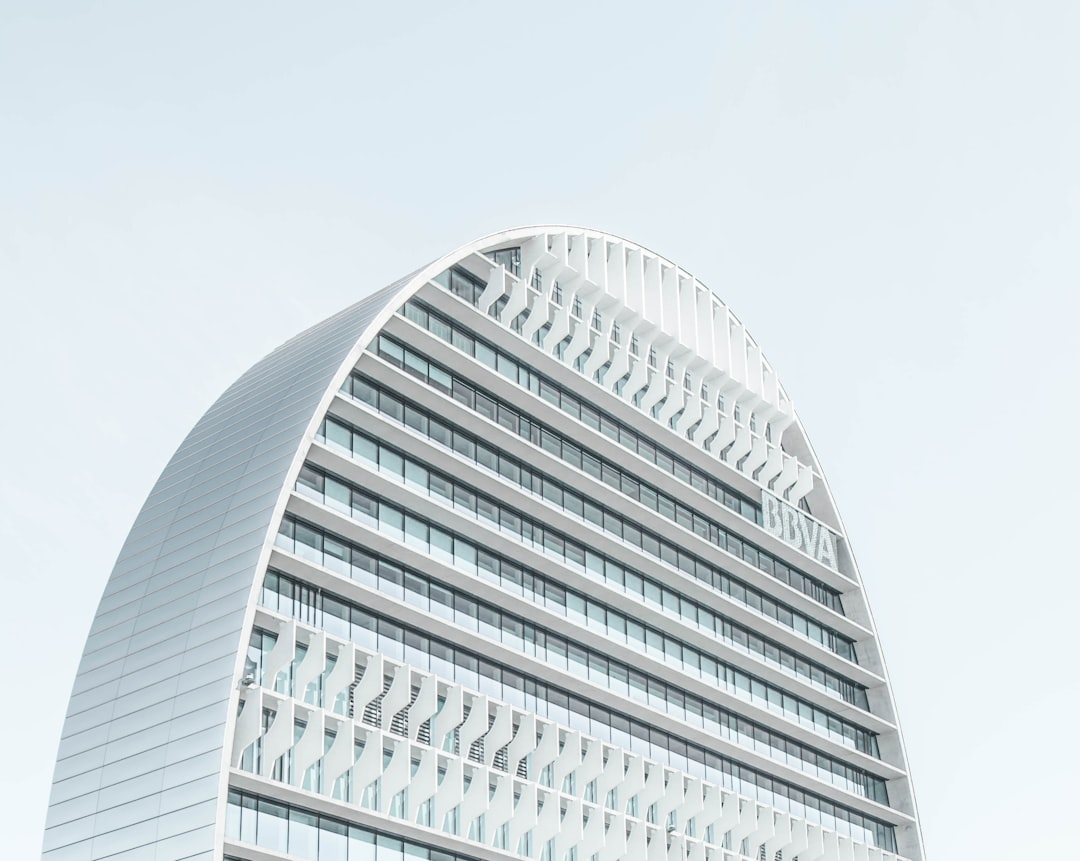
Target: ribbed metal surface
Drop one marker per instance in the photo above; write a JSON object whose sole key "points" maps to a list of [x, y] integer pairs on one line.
{"points": [[138, 772]]}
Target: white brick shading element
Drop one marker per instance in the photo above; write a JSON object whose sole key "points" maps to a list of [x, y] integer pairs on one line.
{"points": [[490, 797]]}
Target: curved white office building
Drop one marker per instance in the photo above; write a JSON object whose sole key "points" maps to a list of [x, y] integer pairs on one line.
{"points": [[526, 555]]}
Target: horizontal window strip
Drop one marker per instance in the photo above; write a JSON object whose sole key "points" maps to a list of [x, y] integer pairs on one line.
{"points": [[283, 828], [416, 589], [434, 375], [474, 448], [461, 496], [389, 460], [529, 532], [460, 552], [597, 419], [280, 827], [484, 673]]}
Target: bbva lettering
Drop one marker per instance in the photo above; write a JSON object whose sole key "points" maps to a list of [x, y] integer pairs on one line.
{"points": [[789, 524]]}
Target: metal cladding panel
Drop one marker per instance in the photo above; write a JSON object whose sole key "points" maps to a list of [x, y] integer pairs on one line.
{"points": [[140, 758]]}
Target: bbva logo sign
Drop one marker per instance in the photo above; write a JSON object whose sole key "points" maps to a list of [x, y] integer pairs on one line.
{"points": [[789, 524]]}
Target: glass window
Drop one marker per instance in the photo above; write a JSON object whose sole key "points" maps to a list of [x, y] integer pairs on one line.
{"points": [[388, 849], [549, 392], [463, 393], [336, 555], [508, 418], [338, 435], [365, 449], [465, 446], [415, 365], [232, 817], [506, 366], [416, 419], [416, 313], [442, 545], [392, 521], [575, 555], [440, 432], [439, 379], [578, 659], [392, 406], [416, 532], [484, 354], [365, 392], [303, 834], [591, 465], [509, 470], [590, 416], [416, 589], [463, 341], [273, 825], [575, 607], [441, 486], [333, 840], [309, 536], [485, 406], [487, 456], [442, 600], [311, 479], [552, 492], [391, 351], [415, 474], [439, 327], [465, 555], [391, 462], [464, 498], [487, 510]]}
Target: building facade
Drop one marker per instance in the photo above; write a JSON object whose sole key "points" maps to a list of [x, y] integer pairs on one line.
{"points": [[526, 555]]}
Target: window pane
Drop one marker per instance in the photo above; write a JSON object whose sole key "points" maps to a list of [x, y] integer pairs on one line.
{"points": [[303, 835]]}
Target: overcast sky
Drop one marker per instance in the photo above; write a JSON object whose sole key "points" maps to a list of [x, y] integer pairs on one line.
{"points": [[886, 193]]}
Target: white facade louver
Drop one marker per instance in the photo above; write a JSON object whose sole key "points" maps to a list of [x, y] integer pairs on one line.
{"points": [[526, 556]]}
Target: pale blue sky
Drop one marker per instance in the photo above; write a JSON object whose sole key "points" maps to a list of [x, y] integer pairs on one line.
{"points": [[887, 193]]}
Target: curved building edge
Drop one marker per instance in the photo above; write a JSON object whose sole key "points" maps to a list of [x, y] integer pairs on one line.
{"points": [[166, 648]]}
